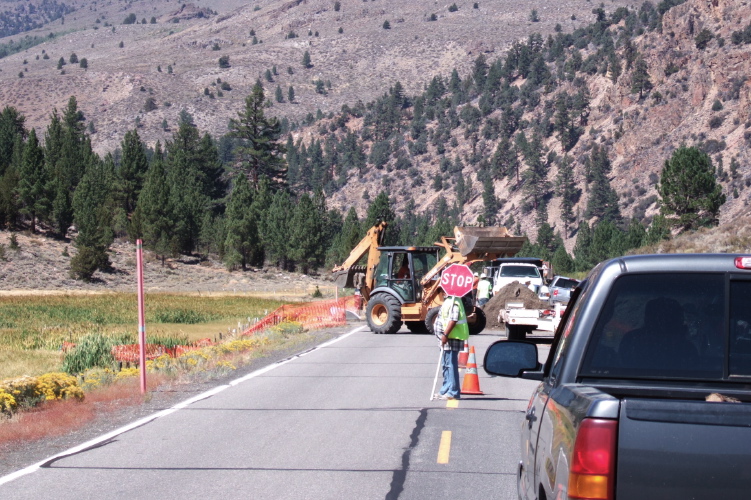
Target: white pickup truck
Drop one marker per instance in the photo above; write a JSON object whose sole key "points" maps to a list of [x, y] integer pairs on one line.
{"points": [[520, 321], [525, 273]]}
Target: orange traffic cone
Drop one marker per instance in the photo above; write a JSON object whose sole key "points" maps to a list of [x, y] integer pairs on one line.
{"points": [[471, 383], [464, 355]]}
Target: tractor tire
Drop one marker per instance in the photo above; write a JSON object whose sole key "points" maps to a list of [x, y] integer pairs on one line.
{"points": [[384, 314], [417, 326], [480, 321], [516, 332], [430, 319]]}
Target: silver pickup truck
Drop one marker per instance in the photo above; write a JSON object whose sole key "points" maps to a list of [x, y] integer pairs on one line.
{"points": [[646, 393]]}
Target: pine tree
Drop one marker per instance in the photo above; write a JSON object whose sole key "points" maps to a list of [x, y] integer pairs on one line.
{"points": [[260, 151], [279, 96], [132, 171], [603, 200], [691, 195], [31, 186], [12, 125], [640, 82], [185, 180], [379, 210], [305, 234], [306, 60], [276, 233], [154, 219], [489, 203], [92, 209], [568, 193], [241, 227], [582, 256]]}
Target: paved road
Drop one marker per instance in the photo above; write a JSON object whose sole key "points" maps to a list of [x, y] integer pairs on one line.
{"points": [[350, 419]]}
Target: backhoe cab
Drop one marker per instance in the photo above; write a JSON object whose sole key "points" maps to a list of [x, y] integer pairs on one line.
{"points": [[402, 284]]}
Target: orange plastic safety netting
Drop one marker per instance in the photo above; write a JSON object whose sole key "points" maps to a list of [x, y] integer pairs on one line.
{"points": [[311, 315]]}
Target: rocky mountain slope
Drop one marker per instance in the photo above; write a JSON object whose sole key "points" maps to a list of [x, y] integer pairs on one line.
{"points": [[361, 62]]}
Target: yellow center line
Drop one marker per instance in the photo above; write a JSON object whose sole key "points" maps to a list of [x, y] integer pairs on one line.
{"points": [[444, 448]]}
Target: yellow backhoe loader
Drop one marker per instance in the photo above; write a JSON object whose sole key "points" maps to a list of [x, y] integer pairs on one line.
{"points": [[402, 284]]}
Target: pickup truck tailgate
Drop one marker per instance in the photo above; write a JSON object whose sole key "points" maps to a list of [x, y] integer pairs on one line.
{"points": [[683, 450]]}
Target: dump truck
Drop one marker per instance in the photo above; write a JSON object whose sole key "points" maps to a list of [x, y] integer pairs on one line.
{"points": [[401, 284]]}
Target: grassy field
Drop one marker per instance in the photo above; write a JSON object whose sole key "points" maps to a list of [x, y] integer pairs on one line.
{"points": [[33, 328]]}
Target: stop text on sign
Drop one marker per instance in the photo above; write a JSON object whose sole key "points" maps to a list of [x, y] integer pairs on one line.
{"points": [[456, 281]]}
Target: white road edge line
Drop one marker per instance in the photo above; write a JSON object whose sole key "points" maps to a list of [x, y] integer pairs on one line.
{"points": [[179, 406]]}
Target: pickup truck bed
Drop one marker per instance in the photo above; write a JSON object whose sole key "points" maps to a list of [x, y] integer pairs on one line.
{"points": [[683, 449]]}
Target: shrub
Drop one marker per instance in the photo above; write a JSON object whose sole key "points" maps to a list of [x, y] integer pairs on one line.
{"points": [[453, 7], [386, 25], [703, 39], [94, 350], [716, 122], [224, 62]]}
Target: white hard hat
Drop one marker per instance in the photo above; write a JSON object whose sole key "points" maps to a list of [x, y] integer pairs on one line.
{"points": [[483, 275], [475, 274]]}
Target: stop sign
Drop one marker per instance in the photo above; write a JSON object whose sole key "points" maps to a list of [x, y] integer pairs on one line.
{"points": [[457, 280]]}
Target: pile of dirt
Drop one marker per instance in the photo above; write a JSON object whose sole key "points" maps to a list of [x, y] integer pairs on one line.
{"points": [[513, 291]]}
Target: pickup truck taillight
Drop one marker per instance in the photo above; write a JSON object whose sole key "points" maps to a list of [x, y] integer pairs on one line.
{"points": [[592, 474]]}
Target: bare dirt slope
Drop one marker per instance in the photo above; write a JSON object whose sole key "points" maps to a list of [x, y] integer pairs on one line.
{"points": [[124, 61], [40, 265]]}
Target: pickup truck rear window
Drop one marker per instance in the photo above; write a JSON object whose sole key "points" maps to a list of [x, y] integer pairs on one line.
{"points": [[672, 326]]}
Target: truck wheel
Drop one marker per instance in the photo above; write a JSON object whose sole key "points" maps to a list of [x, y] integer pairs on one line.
{"points": [[516, 332], [384, 314], [430, 319], [480, 322], [417, 326]]}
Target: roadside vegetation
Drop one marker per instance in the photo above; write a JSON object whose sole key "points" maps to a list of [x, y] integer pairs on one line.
{"points": [[33, 329], [55, 403]]}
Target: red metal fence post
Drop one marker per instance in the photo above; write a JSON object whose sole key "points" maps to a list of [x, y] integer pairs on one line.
{"points": [[141, 315]]}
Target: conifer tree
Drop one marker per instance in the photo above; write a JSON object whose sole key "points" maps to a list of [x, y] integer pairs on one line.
{"points": [[603, 200], [260, 151], [305, 235], [582, 256], [132, 171], [241, 226], [568, 192], [154, 219], [186, 188], [640, 82], [31, 186], [276, 233], [691, 195], [489, 203], [12, 125], [92, 208]]}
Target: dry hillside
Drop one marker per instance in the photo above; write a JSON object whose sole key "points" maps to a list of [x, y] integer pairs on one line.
{"points": [[361, 62]]}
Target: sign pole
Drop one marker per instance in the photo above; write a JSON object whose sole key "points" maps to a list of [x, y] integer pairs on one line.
{"points": [[141, 316]]}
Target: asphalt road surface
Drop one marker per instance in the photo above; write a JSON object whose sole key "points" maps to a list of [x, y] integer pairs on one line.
{"points": [[350, 419]]}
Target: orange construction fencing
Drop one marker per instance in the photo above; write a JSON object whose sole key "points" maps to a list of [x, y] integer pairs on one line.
{"points": [[311, 315]]}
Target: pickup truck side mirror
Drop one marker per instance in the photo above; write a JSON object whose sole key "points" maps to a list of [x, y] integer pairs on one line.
{"points": [[509, 358]]}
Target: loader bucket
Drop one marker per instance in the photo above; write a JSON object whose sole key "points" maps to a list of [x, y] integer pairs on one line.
{"points": [[487, 240], [348, 278]]}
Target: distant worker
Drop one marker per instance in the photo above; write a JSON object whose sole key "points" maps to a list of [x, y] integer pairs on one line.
{"points": [[403, 273], [452, 330], [483, 290], [475, 281]]}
